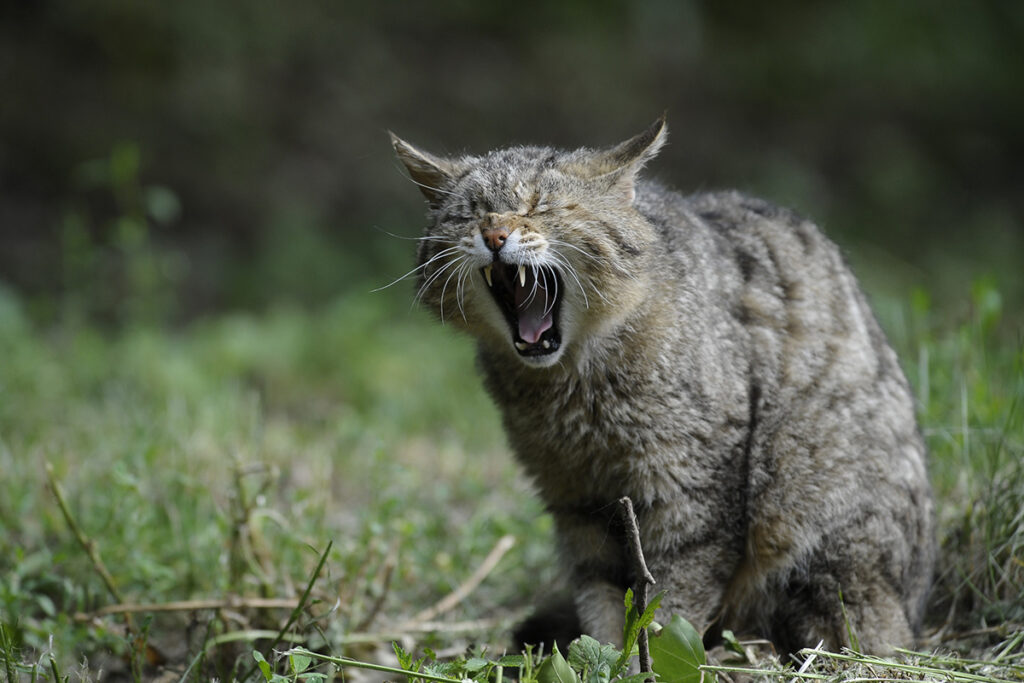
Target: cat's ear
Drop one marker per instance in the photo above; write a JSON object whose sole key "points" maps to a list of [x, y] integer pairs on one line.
{"points": [[636, 151], [619, 165], [432, 174]]}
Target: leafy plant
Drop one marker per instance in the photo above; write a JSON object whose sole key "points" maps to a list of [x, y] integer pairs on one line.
{"points": [[677, 653]]}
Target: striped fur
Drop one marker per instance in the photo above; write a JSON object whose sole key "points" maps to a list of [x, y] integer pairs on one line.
{"points": [[717, 362]]}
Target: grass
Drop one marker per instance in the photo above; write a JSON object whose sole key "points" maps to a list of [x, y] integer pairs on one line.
{"points": [[342, 470]]}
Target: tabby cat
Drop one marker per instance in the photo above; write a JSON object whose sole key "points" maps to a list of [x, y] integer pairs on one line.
{"points": [[713, 358]]}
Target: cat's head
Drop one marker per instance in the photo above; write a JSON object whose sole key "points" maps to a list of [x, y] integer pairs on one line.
{"points": [[533, 249]]}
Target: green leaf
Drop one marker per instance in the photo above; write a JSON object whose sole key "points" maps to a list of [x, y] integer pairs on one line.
{"points": [[677, 653], [556, 670], [262, 663], [593, 660], [732, 643], [298, 663], [635, 622], [404, 658], [475, 664]]}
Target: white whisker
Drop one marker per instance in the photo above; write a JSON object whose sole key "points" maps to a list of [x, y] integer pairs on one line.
{"points": [[444, 288], [567, 268], [440, 254], [554, 298], [438, 238], [435, 189], [460, 287], [574, 247], [433, 277]]}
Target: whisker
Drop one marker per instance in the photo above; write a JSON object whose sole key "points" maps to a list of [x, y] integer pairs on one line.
{"points": [[554, 298], [465, 272], [433, 278], [536, 281], [438, 238], [567, 267], [440, 254], [445, 287], [573, 246], [437, 189]]}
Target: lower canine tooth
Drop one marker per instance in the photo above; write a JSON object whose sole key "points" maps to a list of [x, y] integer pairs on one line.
{"points": [[521, 346], [487, 275], [522, 275], [546, 344]]}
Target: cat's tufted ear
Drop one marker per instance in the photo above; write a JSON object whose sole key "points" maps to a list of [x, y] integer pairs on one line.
{"points": [[432, 174], [620, 164]]}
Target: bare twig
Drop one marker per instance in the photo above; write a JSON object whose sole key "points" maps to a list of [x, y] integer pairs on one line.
{"points": [[87, 543], [191, 606], [643, 578], [389, 635], [468, 586], [141, 650]]}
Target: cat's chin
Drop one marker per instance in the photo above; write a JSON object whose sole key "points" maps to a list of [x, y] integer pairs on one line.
{"points": [[543, 361]]}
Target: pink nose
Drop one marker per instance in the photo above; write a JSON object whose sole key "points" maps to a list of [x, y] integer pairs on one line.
{"points": [[495, 238]]}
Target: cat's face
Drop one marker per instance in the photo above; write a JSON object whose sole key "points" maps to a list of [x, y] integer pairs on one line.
{"points": [[531, 249]]}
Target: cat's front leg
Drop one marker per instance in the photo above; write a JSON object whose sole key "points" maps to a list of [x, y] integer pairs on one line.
{"points": [[693, 581], [601, 608]]}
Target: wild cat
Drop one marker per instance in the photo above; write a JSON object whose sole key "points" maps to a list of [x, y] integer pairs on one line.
{"points": [[711, 357]]}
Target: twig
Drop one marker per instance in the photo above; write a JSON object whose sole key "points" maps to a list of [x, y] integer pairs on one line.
{"points": [[139, 648], [386, 636], [87, 543], [191, 606], [643, 578], [468, 586]]}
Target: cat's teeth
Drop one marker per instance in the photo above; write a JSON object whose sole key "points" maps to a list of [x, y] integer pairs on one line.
{"points": [[546, 344], [521, 346], [487, 275], [522, 275]]}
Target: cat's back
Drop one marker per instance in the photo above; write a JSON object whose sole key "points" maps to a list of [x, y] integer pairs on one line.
{"points": [[779, 280]]}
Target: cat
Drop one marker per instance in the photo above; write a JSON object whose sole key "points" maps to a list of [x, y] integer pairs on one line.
{"points": [[713, 358]]}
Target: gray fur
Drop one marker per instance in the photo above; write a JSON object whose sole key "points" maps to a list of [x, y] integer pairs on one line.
{"points": [[717, 362]]}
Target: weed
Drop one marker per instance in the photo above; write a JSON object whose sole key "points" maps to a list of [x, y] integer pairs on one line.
{"points": [[212, 467]]}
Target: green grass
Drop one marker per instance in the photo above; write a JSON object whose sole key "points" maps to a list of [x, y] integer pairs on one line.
{"points": [[222, 459]]}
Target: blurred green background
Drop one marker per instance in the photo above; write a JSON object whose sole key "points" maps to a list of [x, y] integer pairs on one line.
{"points": [[197, 200], [164, 160]]}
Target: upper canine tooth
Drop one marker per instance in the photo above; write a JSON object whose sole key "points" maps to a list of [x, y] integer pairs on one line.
{"points": [[522, 275], [487, 275]]}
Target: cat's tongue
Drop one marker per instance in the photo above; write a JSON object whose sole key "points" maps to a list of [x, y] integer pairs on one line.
{"points": [[533, 320]]}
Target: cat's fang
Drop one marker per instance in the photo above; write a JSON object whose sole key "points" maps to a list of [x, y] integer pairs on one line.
{"points": [[522, 345], [522, 275], [487, 275]]}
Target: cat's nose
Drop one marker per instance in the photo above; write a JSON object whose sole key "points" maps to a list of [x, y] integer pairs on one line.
{"points": [[495, 237]]}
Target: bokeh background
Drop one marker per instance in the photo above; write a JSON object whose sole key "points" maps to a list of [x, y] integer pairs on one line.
{"points": [[198, 201], [162, 161]]}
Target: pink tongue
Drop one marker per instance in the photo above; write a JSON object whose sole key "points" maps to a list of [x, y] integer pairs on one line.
{"points": [[532, 319]]}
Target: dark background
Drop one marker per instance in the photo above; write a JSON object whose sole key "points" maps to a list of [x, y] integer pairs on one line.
{"points": [[163, 160]]}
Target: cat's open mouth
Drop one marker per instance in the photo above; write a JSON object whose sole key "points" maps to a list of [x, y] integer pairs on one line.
{"points": [[530, 299]]}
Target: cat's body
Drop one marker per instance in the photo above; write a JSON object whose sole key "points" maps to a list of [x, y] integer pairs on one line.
{"points": [[711, 357]]}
